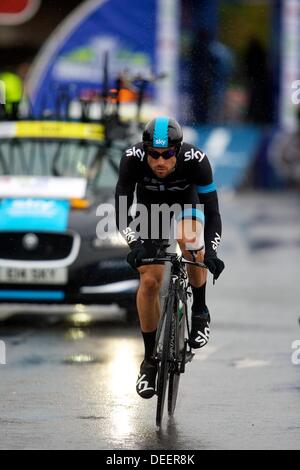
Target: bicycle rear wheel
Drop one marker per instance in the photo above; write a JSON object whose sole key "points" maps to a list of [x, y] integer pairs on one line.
{"points": [[179, 355], [163, 371]]}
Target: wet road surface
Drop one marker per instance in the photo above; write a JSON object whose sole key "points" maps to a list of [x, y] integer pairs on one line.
{"points": [[71, 385]]}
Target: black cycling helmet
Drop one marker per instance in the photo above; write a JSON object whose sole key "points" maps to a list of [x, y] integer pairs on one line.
{"points": [[162, 132]]}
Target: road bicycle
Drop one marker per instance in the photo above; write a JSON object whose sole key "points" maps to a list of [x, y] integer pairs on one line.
{"points": [[172, 350]]}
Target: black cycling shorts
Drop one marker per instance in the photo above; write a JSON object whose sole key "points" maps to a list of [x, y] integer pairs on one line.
{"points": [[163, 209]]}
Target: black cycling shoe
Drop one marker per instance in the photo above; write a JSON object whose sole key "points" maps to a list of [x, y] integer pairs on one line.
{"points": [[145, 385], [200, 329]]}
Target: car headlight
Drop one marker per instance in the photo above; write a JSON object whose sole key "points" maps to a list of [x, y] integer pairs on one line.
{"points": [[112, 240]]}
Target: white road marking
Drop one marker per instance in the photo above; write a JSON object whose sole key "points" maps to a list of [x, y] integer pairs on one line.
{"points": [[247, 363]]}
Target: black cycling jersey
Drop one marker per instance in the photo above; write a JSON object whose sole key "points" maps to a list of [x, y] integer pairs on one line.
{"points": [[192, 175]]}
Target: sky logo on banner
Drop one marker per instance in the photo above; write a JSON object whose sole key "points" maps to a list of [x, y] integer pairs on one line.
{"points": [[34, 214]]}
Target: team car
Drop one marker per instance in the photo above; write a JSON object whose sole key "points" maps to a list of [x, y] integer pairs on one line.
{"points": [[57, 246]]}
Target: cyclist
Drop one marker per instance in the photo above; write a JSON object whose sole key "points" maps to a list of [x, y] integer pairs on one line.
{"points": [[164, 170]]}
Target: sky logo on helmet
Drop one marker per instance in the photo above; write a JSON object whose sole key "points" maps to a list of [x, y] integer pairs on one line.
{"points": [[160, 142], [160, 135]]}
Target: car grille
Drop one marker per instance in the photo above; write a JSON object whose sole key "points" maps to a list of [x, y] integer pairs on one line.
{"points": [[51, 246]]}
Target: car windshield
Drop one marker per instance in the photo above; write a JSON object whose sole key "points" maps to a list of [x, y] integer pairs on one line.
{"points": [[68, 159]]}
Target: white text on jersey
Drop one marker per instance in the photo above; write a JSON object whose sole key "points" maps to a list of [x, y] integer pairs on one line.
{"points": [[129, 235], [136, 153], [216, 242], [194, 154]]}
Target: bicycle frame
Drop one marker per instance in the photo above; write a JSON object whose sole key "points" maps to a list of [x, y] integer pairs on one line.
{"points": [[178, 278], [168, 352]]}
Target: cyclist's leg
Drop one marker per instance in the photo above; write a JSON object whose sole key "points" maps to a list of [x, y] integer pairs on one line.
{"points": [[190, 231], [148, 301], [148, 304], [151, 277], [190, 234], [190, 237]]}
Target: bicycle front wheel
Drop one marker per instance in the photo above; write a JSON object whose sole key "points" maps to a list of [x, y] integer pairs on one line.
{"points": [[179, 355], [164, 366]]}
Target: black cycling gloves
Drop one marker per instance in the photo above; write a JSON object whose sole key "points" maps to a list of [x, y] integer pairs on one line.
{"points": [[136, 255], [214, 264], [141, 250]]}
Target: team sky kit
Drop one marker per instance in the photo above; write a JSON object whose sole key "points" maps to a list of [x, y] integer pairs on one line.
{"points": [[190, 184]]}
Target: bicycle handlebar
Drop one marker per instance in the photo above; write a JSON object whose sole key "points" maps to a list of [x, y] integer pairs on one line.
{"points": [[170, 259]]}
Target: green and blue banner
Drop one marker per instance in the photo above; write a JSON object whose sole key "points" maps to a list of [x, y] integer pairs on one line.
{"points": [[74, 56]]}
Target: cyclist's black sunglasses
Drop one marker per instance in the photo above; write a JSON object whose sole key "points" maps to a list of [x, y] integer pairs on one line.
{"points": [[166, 154]]}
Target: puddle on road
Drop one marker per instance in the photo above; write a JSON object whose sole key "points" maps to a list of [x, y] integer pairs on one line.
{"points": [[33, 360], [75, 334], [91, 418], [82, 359]]}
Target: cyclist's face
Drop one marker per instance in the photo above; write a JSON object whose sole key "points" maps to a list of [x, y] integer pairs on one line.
{"points": [[161, 166]]}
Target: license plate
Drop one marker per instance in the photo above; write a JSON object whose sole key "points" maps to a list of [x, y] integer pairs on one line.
{"points": [[33, 275]]}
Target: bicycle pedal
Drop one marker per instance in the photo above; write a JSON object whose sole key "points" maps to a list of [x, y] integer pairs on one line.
{"points": [[189, 357]]}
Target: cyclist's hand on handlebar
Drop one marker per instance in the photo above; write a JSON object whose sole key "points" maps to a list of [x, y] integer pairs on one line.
{"points": [[136, 255], [214, 264], [139, 252]]}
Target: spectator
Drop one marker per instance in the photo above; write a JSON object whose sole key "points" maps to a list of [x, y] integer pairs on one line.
{"points": [[13, 86], [211, 68], [258, 82], [202, 74]]}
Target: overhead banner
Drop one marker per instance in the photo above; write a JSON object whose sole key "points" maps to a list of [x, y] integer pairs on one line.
{"points": [[128, 31], [52, 130]]}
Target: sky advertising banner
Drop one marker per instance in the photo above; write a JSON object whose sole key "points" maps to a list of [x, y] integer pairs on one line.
{"points": [[133, 34]]}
